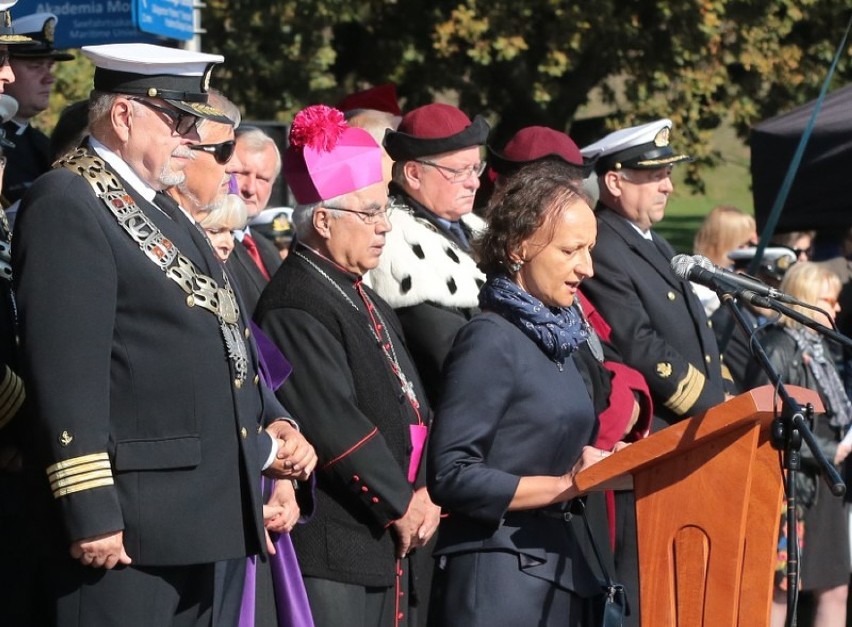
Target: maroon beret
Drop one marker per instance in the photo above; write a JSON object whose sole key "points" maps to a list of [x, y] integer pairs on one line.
{"points": [[434, 129], [535, 143], [380, 98]]}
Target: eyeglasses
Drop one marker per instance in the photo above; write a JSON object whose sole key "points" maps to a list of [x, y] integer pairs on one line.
{"points": [[184, 122], [369, 217], [4, 57], [457, 175], [222, 152], [806, 252]]}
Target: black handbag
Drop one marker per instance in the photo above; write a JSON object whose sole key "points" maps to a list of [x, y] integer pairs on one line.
{"points": [[612, 600]]}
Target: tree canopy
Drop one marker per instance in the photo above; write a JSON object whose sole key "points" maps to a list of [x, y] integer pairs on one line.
{"points": [[698, 62]]}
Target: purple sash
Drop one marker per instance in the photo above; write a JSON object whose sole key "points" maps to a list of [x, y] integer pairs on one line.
{"points": [[291, 600]]}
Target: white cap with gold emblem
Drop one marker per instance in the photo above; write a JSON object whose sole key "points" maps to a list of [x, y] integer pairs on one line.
{"points": [[642, 147], [180, 77], [7, 33], [41, 28]]}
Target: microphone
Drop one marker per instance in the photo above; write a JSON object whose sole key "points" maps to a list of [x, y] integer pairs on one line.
{"points": [[701, 270]]}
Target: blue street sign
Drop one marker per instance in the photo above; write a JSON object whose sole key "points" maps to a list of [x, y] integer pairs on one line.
{"points": [[89, 22], [167, 18]]}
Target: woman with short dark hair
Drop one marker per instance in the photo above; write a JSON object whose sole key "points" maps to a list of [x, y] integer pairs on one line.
{"points": [[516, 421]]}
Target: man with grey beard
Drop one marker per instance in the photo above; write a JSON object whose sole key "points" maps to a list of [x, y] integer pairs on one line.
{"points": [[148, 416], [204, 181]]}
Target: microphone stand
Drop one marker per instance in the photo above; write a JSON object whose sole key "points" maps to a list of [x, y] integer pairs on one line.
{"points": [[788, 431]]}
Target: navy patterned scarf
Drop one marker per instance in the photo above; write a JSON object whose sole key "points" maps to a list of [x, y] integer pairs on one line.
{"points": [[558, 331]]}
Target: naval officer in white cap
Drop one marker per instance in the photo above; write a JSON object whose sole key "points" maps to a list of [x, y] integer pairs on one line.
{"points": [[139, 362], [17, 576], [658, 324], [34, 66]]}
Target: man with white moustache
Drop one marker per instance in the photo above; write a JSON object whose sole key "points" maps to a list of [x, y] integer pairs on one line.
{"points": [[150, 425]]}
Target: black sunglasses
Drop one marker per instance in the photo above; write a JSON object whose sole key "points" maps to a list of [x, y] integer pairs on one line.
{"points": [[4, 57], [222, 152], [184, 122]]}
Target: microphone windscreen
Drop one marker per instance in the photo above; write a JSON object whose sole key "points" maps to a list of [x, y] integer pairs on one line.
{"points": [[681, 265]]}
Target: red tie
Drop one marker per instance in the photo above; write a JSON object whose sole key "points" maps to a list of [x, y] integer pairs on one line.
{"points": [[254, 253]]}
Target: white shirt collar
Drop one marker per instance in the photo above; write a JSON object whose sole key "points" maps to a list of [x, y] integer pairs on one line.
{"points": [[643, 234], [21, 124], [126, 172], [123, 170]]}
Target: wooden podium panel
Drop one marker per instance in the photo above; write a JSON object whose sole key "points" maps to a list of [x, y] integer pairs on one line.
{"points": [[708, 496]]}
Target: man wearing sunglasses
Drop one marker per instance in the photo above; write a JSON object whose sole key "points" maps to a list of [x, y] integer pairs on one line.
{"points": [[427, 272], [141, 373], [206, 174]]}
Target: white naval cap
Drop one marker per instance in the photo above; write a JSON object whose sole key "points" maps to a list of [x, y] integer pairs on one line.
{"points": [[640, 147], [32, 23], [180, 77], [7, 33], [41, 28]]}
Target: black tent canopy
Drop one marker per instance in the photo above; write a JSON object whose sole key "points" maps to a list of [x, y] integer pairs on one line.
{"points": [[821, 194]]}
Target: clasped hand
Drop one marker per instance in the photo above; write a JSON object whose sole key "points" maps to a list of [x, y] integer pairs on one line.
{"points": [[296, 458]]}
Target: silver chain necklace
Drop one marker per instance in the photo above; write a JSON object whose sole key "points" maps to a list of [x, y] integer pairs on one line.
{"points": [[405, 385]]}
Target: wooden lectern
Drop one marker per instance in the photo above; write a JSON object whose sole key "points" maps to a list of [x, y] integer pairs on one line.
{"points": [[708, 498]]}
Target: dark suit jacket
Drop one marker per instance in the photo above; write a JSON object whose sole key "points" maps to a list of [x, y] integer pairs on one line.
{"points": [[658, 324], [349, 405], [269, 254], [508, 411], [117, 363], [29, 159], [250, 282], [248, 277]]}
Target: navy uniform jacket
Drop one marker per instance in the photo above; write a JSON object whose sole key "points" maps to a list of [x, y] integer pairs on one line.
{"points": [[29, 159], [658, 324], [137, 408]]}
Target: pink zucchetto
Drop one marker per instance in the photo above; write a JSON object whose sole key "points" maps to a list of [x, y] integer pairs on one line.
{"points": [[327, 158]]}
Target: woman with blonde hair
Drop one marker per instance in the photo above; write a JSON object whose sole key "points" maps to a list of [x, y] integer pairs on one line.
{"points": [[802, 357], [724, 229], [220, 223]]}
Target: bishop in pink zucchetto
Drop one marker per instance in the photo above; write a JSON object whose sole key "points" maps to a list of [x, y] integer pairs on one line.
{"points": [[328, 158]]}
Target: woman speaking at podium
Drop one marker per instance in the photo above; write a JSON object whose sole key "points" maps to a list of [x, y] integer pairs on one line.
{"points": [[516, 420]]}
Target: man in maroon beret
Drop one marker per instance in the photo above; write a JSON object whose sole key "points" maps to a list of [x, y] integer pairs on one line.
{"points": [[537, 143], [427, 272]]}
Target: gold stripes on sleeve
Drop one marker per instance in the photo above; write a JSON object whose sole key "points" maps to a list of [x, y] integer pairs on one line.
{"points": [[688, 391], [79, 473], [726, 373], [12, 396]]}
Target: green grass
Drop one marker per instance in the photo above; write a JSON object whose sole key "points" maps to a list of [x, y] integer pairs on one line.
{"points": [[727, 184]]}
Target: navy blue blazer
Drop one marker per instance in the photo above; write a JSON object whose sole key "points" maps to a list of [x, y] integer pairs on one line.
{"points": [[508, 411], [658, 324], [119, 367]]}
